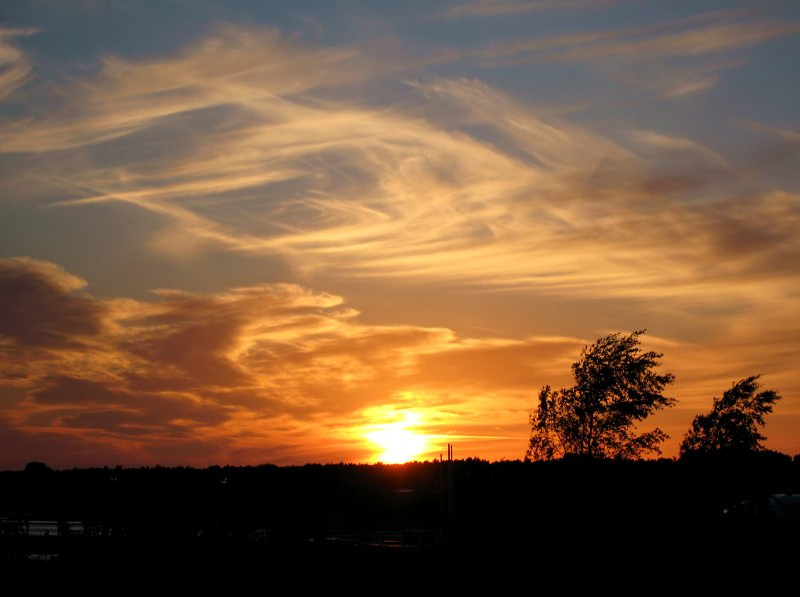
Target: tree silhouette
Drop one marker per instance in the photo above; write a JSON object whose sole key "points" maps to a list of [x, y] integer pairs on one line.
{"points": [[733, 421], [615, 387]]}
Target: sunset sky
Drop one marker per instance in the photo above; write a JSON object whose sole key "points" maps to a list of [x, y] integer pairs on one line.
{"points": [[243, 232]]}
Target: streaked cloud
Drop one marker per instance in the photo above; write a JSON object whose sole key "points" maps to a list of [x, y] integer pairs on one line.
{"points": [[324, 183], [707, 34], [675, 58], [15, 68], [237, 66], [511, 7]]}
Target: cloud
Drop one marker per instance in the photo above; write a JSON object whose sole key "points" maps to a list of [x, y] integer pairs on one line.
{"points": [[699, 35], [42, 308], [762, 343], [288, 374], [15, 68], [57, 448], [234, 146], [688, 148], [676, 58], [489, 8], [248, 367], [237, 66], [110, 407]]}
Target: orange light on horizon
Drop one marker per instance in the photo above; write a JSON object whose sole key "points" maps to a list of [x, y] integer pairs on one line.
{"points": [[399, 443]]}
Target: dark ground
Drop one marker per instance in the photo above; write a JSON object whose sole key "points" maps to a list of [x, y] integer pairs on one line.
{"points": [[574, 523]]}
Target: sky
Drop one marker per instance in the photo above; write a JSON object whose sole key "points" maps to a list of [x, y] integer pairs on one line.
{"points": [[244, 232]]}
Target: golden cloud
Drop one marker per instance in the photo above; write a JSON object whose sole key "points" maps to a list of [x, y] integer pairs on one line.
{"points": [[274, 370], [250, 367]]}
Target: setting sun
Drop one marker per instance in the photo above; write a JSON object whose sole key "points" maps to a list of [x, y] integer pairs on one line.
{"points": [[399, 443]]}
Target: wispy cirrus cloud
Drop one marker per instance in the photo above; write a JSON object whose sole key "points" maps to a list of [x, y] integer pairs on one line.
{"points": [[237, 66], [675, 58], [690, 37], [235, 146], [489, 8], [15, 68]]}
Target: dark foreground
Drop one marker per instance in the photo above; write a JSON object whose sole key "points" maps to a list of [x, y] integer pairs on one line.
{"points": [[576, 523]]}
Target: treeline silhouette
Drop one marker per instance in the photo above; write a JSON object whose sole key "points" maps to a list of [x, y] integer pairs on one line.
{"points": [[337, 515]]}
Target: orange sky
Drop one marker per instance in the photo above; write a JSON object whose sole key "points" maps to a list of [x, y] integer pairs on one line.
{"points": [[267, 237]]}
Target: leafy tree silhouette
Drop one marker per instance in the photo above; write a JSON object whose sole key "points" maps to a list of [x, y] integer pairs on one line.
{"points": [[615, 387], [732, 424]]}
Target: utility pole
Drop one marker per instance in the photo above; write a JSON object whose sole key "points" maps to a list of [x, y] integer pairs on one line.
{"points": [[451, 503]]}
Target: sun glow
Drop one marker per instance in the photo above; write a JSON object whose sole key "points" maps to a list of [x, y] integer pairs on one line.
{"points": [[399, 443]]}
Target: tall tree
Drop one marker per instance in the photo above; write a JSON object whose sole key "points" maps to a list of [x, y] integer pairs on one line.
{"points": [[733, 421], [616, 386]]}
